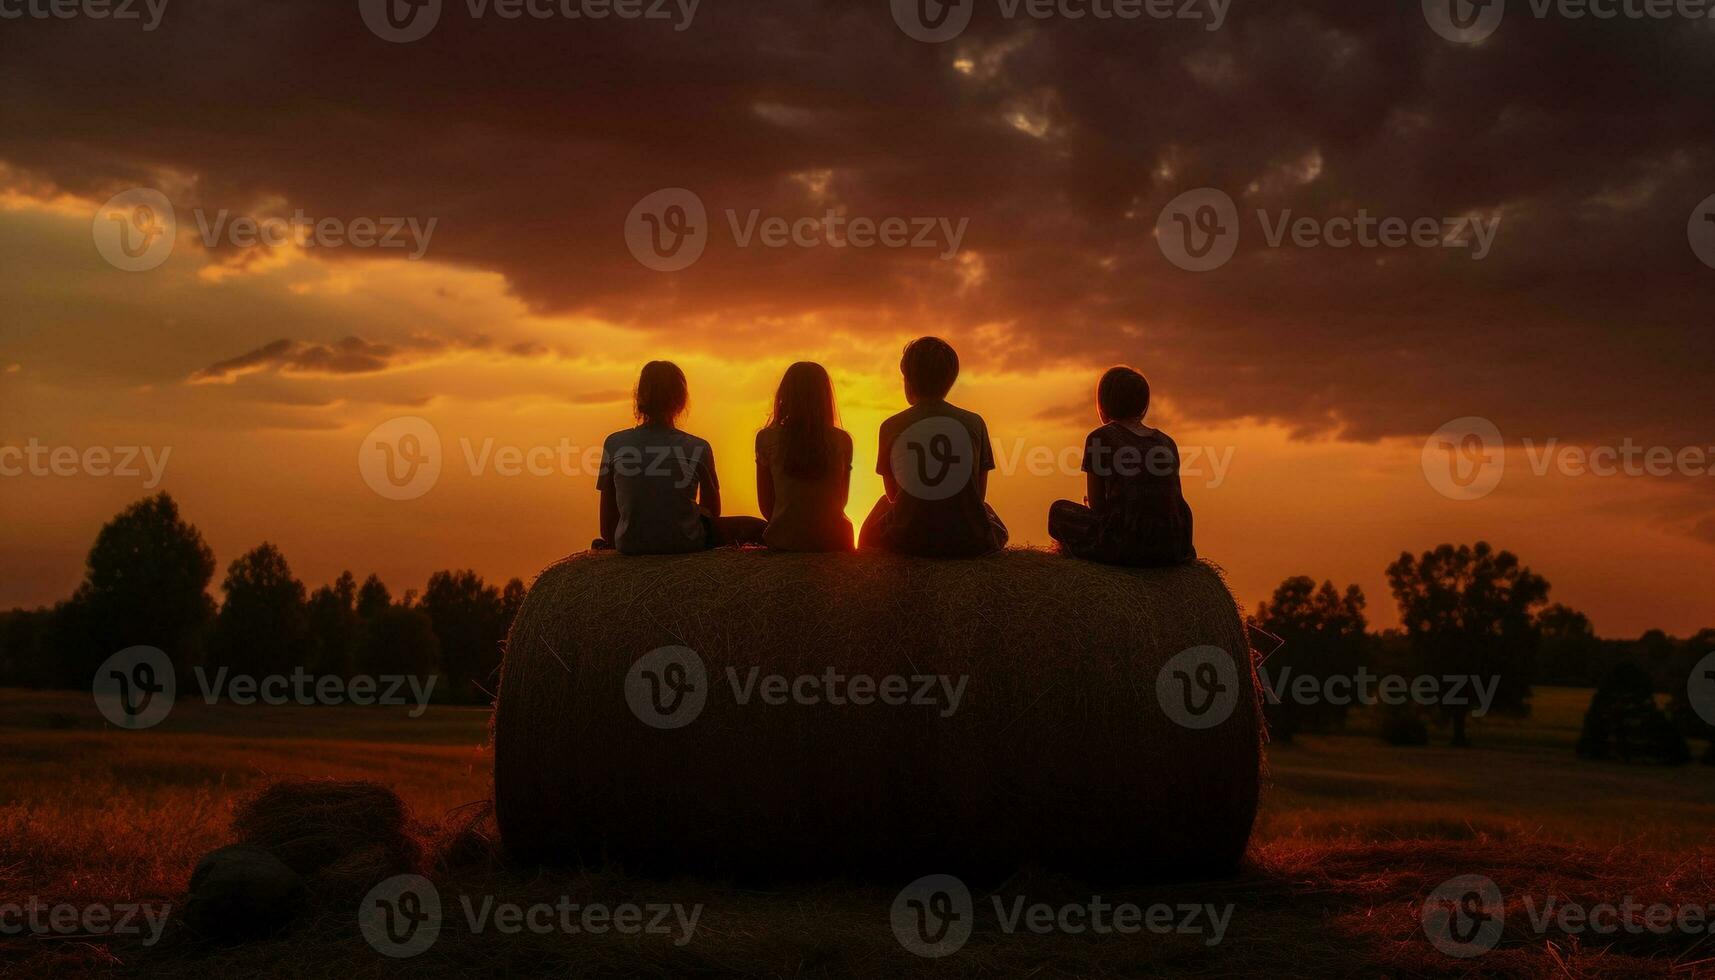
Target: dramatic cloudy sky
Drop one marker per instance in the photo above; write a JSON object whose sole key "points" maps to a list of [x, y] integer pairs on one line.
{"points": [[1052, 145]]}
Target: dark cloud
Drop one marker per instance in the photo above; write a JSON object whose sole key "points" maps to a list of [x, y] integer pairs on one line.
{"points": [[1060, 141], [353, 355]]}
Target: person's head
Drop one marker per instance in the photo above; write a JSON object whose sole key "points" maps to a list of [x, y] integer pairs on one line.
{"points": [[1122, 395], [662, 394], [804, 411], [930, 366]]}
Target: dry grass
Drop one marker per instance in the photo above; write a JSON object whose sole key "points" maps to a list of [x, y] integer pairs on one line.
{"points": [[1352, 835]]}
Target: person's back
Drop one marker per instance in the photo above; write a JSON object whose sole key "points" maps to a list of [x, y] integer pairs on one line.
{"points": [[654, 472], [807, 513], [934, 459], [659, 494], [1136, 512]]}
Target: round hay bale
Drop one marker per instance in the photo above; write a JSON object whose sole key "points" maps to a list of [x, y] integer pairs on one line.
{"points": [[243, 892], [1062, 751]]}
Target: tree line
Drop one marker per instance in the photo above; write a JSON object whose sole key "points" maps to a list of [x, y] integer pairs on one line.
{"points": [[146, 583], [1465, 610], [1474, 611]]}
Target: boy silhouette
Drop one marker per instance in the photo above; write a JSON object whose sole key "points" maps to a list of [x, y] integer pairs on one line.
{"points": [[934, 461]]}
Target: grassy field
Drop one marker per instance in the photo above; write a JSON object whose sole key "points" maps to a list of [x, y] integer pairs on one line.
{"points": [[1351, 838]]}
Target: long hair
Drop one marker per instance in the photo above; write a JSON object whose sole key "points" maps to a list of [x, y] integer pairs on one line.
{"points": [[804, 411], [662, 394]]}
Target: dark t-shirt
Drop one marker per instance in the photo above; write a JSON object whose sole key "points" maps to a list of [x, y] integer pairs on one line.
{"points": [[936, 452], [1142, 516], [654, 472]]}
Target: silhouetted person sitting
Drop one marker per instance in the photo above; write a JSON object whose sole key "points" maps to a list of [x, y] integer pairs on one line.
{"points": [[804, 466], [659, 494], [1137, 514], [934, 463]]}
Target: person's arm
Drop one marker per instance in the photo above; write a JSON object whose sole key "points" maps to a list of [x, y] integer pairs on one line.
{"points": [[884, 466], [845, 474], [609, 514], [765, 489], [1096, 465], [708, 488], [765, 474], [985, 462]]}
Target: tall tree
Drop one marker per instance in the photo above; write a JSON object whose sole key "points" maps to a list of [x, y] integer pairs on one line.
{"points": [[470, 622], [333, 627], [145, 583], [1470, 610], [262, 627], [1570, 652], [1322, 634]]}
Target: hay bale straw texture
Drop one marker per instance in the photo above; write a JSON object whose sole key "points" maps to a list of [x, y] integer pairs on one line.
{"points": [[1060, 754]]}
